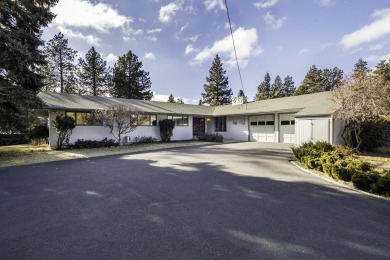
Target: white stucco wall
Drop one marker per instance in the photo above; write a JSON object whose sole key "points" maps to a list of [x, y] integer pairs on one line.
{"points": [[236, 128], [100, 132]]}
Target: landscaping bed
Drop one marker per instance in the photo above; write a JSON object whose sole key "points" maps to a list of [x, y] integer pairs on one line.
{"points": [[367, 173]]}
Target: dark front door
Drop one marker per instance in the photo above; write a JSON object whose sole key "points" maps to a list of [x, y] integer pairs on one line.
{"points": [[199, 126]]}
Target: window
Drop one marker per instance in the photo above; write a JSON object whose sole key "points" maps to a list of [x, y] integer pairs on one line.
{"points": [[147, 120], [261, 123], [179, 120], [253, 123], [292, 122], [270, 122], [220, 124], [83, 118]]}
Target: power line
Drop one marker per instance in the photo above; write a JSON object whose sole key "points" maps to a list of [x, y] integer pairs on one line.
{"points": [[234, 46]]}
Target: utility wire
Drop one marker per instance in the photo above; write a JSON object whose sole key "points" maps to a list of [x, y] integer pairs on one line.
{"points": [[234, 46]]}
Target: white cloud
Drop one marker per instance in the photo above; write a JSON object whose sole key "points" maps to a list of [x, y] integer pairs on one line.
{"points": [[326, 2], [303, 51], [91, 39], [211, 4], [83, 14], [374, 31], [274, 22], [246, 46], [184, 27], [189, 49], [149, 56], [111, 58], [376, 47], [168, 11], [151, 31], [376, 58], [193, 38], [265, 3]]}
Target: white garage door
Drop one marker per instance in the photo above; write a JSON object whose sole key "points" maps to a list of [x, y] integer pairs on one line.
{"points": [[262, 128], [287, 128]]}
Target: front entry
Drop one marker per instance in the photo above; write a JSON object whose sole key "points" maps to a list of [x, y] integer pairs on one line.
{"points": [[199, 126]]}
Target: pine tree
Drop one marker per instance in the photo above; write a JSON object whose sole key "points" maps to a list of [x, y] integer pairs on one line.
{"points": [[361, 69], [171, 99], [130, 80], [276, 87], [20, 34], [179, 101], [383, 69], [217, 91], [312, 82], [93, 73], [200, 103], [331, 79], [288, 87], [60, 59], [264, 89]]}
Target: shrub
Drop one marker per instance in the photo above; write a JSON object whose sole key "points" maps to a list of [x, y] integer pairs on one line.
{"points": [[12, 139], [365, 180], [145, 139], [86, 144], [208, 137], [38, 134], [166, 129], [382, 186], [64, 126]]}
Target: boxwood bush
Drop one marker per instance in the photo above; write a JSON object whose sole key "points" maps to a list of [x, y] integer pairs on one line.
{"points": [[207, 137], [340, 163], [86, 144]]}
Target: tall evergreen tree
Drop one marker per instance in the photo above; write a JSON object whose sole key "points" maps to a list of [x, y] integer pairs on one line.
{"points": [[288, 87], [331, 79], [93, 73], [276, 87], [383, 69], [20, 41], [264, 89], [171, 99], [130, 80], [217, 91], [361, 65], [312, 82], [60, 59]]}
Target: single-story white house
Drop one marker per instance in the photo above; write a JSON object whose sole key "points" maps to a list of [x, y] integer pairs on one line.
{"points": [[294, 120]]}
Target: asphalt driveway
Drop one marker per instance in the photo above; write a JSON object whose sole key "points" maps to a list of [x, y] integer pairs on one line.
{"points": [[230, 201]]}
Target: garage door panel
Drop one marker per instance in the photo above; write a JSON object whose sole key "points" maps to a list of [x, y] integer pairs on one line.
{"points": [[286, 128], [260, 131]]}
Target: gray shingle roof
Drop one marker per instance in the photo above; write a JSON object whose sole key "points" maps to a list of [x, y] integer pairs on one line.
{"points": [[305, 105]]}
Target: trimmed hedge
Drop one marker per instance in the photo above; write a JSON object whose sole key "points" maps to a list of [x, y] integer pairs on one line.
{"points": [[339, 163], [145, 140], [211, 137], [86, 144], [12, 139]]}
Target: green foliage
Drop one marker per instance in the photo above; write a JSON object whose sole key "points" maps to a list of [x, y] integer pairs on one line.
{"points": [[171, 99], [64, 126], [264, 89], [87, 144], [276, 87], [93, 73], [207, 137], [339, 163], [375, 134], [60, 71], [288, 87], [12, 139], [217, 91], [365, 180], [38, 134], [21, 25], [317, 80], [166, 129], [145, 140], [130, 80]]}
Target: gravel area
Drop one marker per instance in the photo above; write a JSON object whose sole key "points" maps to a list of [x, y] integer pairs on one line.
{"points": [[33, 155]]}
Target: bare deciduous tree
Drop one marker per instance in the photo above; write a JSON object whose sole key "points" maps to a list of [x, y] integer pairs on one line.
{"points": [[360, 100], [120, 119]]}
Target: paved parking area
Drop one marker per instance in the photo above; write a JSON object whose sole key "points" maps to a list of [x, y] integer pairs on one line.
{"points": [[228, 201]]}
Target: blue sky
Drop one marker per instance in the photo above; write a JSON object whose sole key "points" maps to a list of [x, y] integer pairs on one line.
{"points": [[177, 39]]}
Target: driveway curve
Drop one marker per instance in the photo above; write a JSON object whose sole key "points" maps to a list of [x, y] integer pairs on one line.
{"points": [[228, 201]]}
